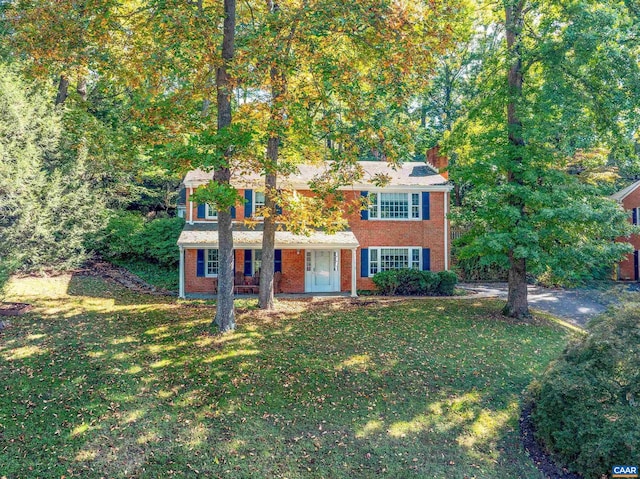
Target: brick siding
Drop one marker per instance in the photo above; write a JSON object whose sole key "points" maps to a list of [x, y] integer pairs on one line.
{"points": [[370, 233]]}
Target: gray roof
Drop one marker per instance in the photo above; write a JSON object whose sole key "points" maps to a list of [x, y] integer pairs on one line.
{"points": [[205, 235], [622, 194], [408, 174]]}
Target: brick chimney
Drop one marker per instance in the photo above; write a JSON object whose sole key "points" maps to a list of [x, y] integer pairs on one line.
{"points": [[437, 161]]}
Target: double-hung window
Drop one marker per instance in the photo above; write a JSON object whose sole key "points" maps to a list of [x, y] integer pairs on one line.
{"points": [[394, 206], [210, 212], [256, 259], [258, 203], [383, 259], [212, 263]]}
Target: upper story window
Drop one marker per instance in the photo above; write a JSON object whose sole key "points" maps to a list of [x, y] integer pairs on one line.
{"points": [[258, 201], [210, 213], [394, 206]]}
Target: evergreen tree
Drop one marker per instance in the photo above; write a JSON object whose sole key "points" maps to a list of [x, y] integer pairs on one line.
{"points": [[47, 208]]}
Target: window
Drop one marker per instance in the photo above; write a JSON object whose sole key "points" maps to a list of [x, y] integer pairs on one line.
{"points": [[383, 259], [210, 212], [394, 206], [258, 201], [256, 260], [212, 262], [637, 218]]}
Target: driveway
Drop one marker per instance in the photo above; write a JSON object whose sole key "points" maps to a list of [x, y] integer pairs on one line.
{"points": [[577, 306]]}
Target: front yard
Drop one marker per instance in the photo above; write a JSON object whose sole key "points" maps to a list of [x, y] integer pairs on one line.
{"points": [[100, 382]]}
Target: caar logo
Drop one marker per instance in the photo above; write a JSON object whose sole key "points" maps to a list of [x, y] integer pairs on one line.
{"points": [[624, 471]]}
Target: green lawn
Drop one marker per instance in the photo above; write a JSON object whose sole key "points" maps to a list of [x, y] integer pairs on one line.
{"points": [[99, 382]]}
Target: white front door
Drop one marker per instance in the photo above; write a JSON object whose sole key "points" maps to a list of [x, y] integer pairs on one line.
{"points": [[322, 271]]}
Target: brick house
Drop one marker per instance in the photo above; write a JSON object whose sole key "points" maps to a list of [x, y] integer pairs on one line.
{"points": [[405, 226], [629, 198]]}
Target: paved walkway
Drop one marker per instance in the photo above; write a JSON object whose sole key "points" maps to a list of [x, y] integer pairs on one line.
{"points": [[576, 306]]}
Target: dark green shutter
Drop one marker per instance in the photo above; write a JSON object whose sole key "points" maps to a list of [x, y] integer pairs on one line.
{"points": [[200, 263]]}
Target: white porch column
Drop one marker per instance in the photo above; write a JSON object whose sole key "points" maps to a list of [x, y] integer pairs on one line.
{"points": [[181, 280], [354, 293], [446, 231], [190, 206]]}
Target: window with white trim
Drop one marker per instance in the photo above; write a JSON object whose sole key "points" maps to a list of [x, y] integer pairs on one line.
{"points": [[212, 263], [258, 201], [394, 206], [637, 222], [256, 260], [383, 259], [210, 212]]}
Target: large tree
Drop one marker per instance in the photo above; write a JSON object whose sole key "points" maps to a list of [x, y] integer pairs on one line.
{"points": [[333, 81], [47, 206], [225, 312], [564, 81]]}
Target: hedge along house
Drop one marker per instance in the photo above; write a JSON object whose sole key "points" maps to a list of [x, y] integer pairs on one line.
{"points": [[629, 198], [405, 227]]}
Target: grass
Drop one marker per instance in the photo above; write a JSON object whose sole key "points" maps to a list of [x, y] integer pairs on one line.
{"points": [[157, 275], [100, 382]]}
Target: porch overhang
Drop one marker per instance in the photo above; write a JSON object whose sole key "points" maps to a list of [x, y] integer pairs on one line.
{"points": [[252, 239]]}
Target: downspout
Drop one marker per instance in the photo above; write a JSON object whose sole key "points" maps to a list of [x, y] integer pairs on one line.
{"points": [[446, 231], [181, 280]]}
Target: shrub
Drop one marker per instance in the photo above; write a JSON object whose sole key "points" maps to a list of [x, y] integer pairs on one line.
{"points": [[587, 405], [160, 237], [412, 282], [387, 282], [447, 281], [130, 237]]}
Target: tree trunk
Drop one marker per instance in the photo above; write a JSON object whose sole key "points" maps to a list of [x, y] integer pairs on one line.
{"points": [[277, 116], [63, 90], [265, 297], [225, 312], [81, 89], [517, 305]]}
